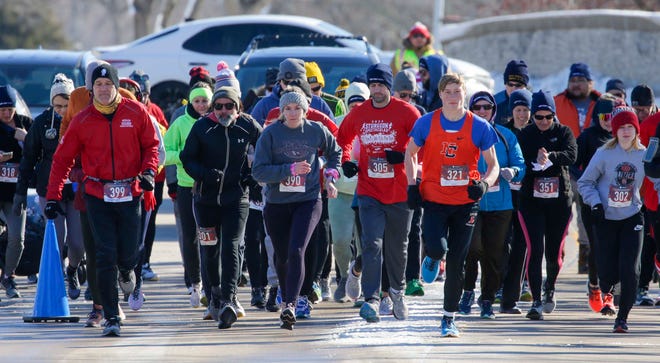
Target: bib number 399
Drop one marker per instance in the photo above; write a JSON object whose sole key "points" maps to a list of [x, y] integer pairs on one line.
{"points": [[117, 192]]}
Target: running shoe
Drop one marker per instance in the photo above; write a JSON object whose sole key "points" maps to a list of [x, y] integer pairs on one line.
{"points": [[430, 269], [549, 302], [643, 298], [498, 296], [369, 311], [136, 299], [510, 310], [257, 298], [414, 288], [400, 308], [121, 315], [656, 261], [94, 318], [326, 291], [9, 285], [386, 306], [353, 283], [536, 311], [72, 282], [112, 328], [317, 293], [127, 281], [32, 279], [207, 314], [340, 291], [271, 303], [525, 295], [196, 295], [608, 308], [228, 315], [148, 274], [487, 310], [466, 302], [448, 328], [595, 298], [288, 317], [240, 311], [303, 308], [620, 326]]}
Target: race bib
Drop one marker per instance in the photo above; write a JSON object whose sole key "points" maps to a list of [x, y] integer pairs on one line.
{"points": [[619, 197], [454, 175], [206, 236], [495, 187], [515, 185], [9, 172], [379, 168], [293, 184], [546, 187], [117, 192], [257, 205]]}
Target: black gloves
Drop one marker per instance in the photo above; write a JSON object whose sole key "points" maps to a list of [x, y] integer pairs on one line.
{"points": [[598, 213], [414, 197], [477, 189], [52, 209], [20, 203], [394, 157], [349, 168], [147, 180], [171, 190], [213, 176], [254, 187]]}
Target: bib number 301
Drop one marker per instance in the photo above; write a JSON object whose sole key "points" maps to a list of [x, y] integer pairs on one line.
{"points": [[207, 236]]}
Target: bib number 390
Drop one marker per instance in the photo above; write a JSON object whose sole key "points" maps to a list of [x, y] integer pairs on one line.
{"points": [[293, 183]]}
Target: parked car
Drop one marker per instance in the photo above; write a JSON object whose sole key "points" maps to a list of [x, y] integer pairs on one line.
{"points": [[168, 55], [335, 63], [31, 72]]}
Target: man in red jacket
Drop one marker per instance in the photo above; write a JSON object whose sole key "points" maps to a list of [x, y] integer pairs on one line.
{"points": [[118, 148]]}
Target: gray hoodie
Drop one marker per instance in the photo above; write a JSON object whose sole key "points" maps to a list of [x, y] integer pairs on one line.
{"points": [[613, 178], [279, 146]]}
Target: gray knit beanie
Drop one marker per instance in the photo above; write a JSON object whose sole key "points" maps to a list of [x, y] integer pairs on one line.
{"points": [[294, 97]]}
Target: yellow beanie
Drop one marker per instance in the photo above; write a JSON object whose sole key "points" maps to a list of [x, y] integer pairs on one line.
{"points": [[341, 89], [314, 74]]}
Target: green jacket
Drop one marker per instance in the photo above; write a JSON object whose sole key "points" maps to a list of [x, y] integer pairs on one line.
{"points": [[175, 140], [336, 104]]}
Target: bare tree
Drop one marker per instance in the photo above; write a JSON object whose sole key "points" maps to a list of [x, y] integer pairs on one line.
{"points": [[141, 17]]}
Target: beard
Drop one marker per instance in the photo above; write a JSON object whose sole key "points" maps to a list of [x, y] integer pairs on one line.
{"points": [[226, 120]]}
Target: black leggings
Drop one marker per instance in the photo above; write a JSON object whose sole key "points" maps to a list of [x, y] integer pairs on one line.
{"points": [[256, 257], [290, 227], [620, 248]]}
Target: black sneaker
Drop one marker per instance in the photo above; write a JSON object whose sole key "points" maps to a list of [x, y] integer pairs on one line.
{"points": [[127, 281], [620, 326], [227, 316], [271, 304], [112, 328], [258, 300], [288, 317], [536, 312], [72, 282], [9, 285]]}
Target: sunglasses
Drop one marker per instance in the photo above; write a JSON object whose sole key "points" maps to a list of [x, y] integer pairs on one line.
{"points": [[406, 95], [541, 117], [515, 85], [227, 106], [605, 117], [418, 35], [316, 89], [481, 107]]}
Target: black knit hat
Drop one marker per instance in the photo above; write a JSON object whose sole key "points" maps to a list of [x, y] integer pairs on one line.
{"points": [[7, 96], [106, 71], [642, 95], [516, 71]]}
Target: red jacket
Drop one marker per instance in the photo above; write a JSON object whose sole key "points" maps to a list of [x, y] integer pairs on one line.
{"points": [[568, 114], [115, 150]]}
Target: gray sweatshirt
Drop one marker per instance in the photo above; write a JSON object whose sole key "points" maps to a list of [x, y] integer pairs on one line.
{"points": [[613, 178], [279, 146]]}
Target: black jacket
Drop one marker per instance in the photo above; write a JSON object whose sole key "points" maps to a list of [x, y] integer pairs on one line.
{"points": [[9, 143], [652, 169], [213, 146], [588, 142], [559, 141], [38, 153]]}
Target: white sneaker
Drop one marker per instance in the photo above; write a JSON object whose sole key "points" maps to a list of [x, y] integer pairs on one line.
{"points": [[386, 306], [122, 316], [240, 311], [326, 291], [353, 283], [196, 296]]}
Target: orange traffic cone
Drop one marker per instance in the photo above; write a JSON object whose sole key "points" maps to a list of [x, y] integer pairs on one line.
{"points": [[50, 302]]}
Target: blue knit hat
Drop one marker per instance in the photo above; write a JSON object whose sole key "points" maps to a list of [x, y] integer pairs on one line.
{"points": [[7, 96], [380, 73], [580, 70], [543, 101], [516, 71], [520, 97]]}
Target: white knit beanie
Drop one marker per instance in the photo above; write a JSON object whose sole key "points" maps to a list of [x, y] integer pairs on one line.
{"points": [[62, 85]]}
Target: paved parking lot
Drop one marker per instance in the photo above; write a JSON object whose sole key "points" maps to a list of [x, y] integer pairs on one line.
{"points": [[168, 330]]}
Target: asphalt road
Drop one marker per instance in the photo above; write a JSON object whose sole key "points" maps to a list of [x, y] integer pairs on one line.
{"points": [[167, 329]]}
